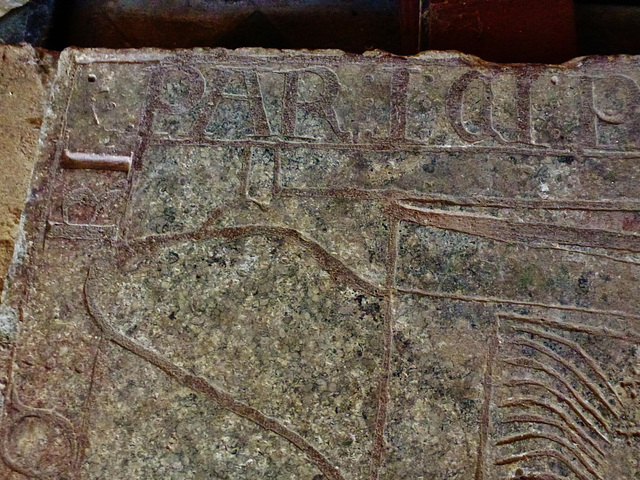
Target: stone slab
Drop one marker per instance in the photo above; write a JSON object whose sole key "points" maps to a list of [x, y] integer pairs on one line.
{"points": [[306, 265]]}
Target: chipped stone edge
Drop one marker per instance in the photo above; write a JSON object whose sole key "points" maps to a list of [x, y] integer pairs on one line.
{"points": [[10, 315], [21, 244], [7, 6], [105, 55]]}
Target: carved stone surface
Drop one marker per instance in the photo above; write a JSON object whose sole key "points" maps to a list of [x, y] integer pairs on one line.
{"points": [[259, 264]]}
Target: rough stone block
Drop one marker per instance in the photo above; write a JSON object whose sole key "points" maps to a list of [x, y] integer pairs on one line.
{"points": [[24, 78], [294, 265], [30, 23]]}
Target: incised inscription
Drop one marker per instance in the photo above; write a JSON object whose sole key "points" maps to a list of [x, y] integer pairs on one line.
{"points": [[261, 264]]}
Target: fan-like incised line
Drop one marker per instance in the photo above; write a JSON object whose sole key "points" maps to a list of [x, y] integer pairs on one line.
{"points": [[562, 397], [575, 438], [522, 401], [536, 365], [555, 439], [572, 368], [545, 453], [580, 351], [200, 384], [587, 382]]}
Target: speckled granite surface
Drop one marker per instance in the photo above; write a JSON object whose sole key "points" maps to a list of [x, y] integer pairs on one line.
{"points": [[256, 264]]}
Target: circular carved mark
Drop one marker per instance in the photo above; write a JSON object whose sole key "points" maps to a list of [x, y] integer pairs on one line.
{"points": [[182, 89], [38, 443]]}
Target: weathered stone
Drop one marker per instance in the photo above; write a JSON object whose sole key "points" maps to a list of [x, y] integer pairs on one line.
{"points": [[8, 5], [24, 78], [31, 23], [262, 264]]}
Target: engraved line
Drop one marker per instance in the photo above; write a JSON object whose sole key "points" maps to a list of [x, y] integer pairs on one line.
{"points": [[587, 449], [140, 58], [579, 350], [147, 117], [546, 322], [569, 366], [81, 231], [336, 268], [401, 196], [394, 145], [383, 395], [536, 365], [245, 173], [245, 180], [521, 382], [201, 385], [385, 367], [479, 299], [508, 230], [95, 115], [544, 245], [298, 59], [8, 393], [532, 203], [453, 200], [144, 127], [54, 165], [85, 410], [485, 419], [264, 62], [522, 401], [17, 464], [555, 439], [544, 453]]}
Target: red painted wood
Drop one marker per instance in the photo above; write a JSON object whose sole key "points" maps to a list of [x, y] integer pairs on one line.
{"points": [[504, 30]]}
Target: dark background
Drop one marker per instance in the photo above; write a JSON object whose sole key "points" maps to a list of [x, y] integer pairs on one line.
{"points": [[547, 31]]}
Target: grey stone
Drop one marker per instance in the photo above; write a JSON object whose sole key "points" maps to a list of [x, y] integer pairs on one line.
{"points": [[305, 265], [8, 5], [31, 23]]}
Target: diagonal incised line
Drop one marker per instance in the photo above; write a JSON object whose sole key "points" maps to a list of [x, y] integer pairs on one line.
{"points": [[573, 436], [523, 401], [580, 351], [535, 365], [560, 396], [554, 439], [201, 385], [569, 366], [544, 453]]}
